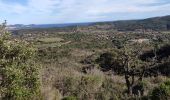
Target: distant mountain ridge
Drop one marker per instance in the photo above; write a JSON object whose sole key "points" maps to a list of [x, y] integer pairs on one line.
{"points": [[31, 26], [154, 23]]}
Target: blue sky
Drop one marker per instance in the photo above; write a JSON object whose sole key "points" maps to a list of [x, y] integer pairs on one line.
{"points": [[70, 11]]}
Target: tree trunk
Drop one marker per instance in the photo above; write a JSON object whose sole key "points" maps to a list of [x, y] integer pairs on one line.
{"points": [[128, 84]]}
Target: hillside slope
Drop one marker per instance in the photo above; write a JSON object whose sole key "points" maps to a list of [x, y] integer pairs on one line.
{"points": [[156, 23]]}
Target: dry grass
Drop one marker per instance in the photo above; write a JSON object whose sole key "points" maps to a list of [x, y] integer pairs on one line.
{"points": [[81, 53], [50, 40], [50, 93]]}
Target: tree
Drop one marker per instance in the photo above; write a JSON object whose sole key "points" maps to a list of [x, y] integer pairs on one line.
{"points": [[134, 69], [19, 75], [132, 66], [125, 61]]}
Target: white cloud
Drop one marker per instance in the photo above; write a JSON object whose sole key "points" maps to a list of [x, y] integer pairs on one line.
{"points": [[44, 6], [78, 10], [15, 8]]}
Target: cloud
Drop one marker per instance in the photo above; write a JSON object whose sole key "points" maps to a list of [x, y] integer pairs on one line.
{"points": [[62, 11], [15, 8]]}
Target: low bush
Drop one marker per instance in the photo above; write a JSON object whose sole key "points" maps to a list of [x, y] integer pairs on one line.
{"points": [[162, 92], [69, 98], [109, 90]]}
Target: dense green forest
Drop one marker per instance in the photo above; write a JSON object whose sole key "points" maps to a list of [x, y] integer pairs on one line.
{"points": [[95, 62]]}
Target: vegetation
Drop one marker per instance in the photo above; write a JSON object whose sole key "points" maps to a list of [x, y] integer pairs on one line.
{"points": [[19, 73], [153, 24], [95, 62], [162, 92]]}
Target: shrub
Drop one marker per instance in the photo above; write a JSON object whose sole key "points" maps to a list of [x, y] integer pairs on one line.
{"points": [[81, 86], [88, 86], [70, 85], [70, 98], [108, 61], [162, 92], [18, 72], [109, 90]]}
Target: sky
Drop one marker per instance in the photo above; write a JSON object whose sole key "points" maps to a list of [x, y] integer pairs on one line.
{"points": [[77, 11]]}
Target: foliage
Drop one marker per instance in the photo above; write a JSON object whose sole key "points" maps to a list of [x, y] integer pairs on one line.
{"points": [[162, 92], [157, 23], [61, 51], [109, 61], [19, 74], [109, 90], [83, 87], [70, 98], [106, 61]]}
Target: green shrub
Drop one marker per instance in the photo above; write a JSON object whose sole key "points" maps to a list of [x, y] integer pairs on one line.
{"points": [[108, 61], [162, 92], [18, 71], [70, 98]]}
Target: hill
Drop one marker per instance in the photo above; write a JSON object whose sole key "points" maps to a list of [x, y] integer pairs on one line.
{"points": [[41, 26], [155, 23]]}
